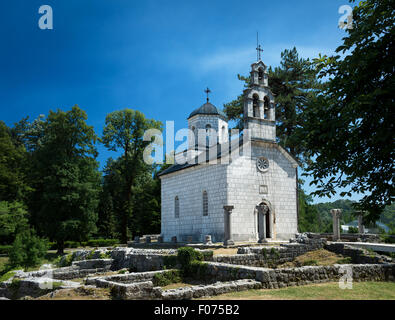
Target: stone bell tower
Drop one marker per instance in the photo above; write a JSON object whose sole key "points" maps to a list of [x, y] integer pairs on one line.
{"points": [[259, 113]]}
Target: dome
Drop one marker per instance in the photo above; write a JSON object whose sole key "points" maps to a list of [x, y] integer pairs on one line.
{"points": [[209, 109]]}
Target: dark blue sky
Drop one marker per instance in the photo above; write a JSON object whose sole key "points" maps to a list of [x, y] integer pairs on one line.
{"points": [[154, 56]]}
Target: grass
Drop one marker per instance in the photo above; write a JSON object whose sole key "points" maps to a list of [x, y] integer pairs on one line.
{"points": [[78, 294], [176, 285], [5, 271], [225, 251], [319, 257], [323, 291]]}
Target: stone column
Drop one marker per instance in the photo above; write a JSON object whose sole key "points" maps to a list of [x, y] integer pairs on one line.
{"points": [[262, 211], [336, 223], [360, 223], [228, 225], [261, 110]]}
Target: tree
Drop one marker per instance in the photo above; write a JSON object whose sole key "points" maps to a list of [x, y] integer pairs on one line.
{"points": [[66, 177], [27, 250], [350, 127], [13, 186], [295, 84], [308, 220], [111, 201], [13, 220], [124, 132]]}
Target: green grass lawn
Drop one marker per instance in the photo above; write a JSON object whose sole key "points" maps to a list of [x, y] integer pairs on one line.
{"points": [[323, 291]]}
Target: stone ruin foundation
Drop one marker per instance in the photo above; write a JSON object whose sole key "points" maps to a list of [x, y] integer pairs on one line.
{"points": [[251, 268]]}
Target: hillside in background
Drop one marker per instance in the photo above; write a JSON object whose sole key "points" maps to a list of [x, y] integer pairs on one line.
{"points": [[325, 218]]}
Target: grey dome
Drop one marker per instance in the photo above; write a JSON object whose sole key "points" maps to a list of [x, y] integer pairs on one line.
{"points": [[209, 109]]}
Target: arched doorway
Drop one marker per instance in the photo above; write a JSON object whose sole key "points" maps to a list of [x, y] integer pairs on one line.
{"points": [[264, 227]]}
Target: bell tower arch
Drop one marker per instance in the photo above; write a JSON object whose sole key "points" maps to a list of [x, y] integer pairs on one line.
{"points": [[259, 112]]}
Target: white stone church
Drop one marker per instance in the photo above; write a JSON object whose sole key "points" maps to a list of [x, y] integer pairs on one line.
{"points": [[248, 194]]}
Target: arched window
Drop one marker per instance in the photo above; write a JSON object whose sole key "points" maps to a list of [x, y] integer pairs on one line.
{"points": [[223, 134], [260, 74], [255, 105], [208, 133], [193, 136], [176, 207], [205, 203], [266, 107]]}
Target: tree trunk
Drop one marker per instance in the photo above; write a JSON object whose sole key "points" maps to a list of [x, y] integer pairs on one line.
{"points": [[60, 245]]}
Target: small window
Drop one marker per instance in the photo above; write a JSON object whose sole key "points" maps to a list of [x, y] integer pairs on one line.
{"points": [[260, 74], [224, 137], [208, 133], [255, 105], [176, 207], [266, 107], [205, 203]]}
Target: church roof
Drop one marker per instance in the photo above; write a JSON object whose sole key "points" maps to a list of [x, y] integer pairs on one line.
{"points": [[209, 109]]}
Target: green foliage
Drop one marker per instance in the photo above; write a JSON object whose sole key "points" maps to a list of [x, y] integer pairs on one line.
{"points": [[207, 255], [7, 275], [13, 167], [274, 253], [5, 249], [310, 218], [388, 217], [387, 239], [90, 255], [345, 260], [13, 220], [353, 230], [28, 250], [349, 127], [186, 255], [66, 260], [65, 177], [196, 270], [166, 278], [188, 258], [310, 263], [264, 253], [104, 255], [124, 131], [170, 261]]}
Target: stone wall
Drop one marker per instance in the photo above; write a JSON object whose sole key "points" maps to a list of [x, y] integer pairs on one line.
{"points": [[229, 278], [244, 181], [352, 237], [123, 278], [270, 256], [277, 278], [140, 259], [214, 289], [188, 185], [357, 255]]}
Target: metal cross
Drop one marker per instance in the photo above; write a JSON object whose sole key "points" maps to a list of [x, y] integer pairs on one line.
{"points": [[259, 50], [207, 91]]}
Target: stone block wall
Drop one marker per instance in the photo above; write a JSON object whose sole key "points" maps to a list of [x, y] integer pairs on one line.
{"points": [[188, 185], [278, 278], [357, 255], [244, 192], [270, 256]]}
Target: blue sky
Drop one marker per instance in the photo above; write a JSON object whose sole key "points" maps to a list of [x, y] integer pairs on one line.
{"points": [[154, 56]]}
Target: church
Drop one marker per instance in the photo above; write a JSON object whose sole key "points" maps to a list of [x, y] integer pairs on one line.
{"points": [[242, 189]]}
